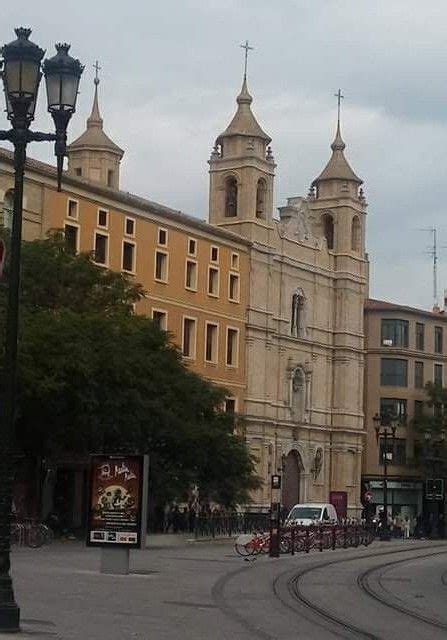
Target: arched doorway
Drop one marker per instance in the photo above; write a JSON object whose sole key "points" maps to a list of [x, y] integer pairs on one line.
{"points": [[291, 479]]}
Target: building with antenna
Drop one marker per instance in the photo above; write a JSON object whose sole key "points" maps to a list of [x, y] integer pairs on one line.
{"points": [[268, 306]]}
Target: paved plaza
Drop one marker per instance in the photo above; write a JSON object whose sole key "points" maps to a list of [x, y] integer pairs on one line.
{"points": [[196, 590]]}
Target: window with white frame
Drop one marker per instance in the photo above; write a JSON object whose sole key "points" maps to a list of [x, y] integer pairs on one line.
{"points": [[71, 237], [160, 318], [103, 218], [73, 209], [162, 237], [101, 248], [161, 266], [233, 287], [191, 275], [230, 405], [129, 227], [128, 263], [211, 342], [189, 337], [214, 254], [235, 261], [213, 281], [232, 347], [192, 247]]}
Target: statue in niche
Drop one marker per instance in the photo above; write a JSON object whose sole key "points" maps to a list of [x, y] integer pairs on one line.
{"points": [[298, 394], [318, 463], [298, 320]]}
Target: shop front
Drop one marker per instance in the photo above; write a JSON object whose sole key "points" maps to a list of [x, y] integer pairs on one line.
{"points": [[405, 498]]}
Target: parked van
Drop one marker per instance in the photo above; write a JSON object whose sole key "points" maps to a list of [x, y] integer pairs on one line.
{"points": [[312, 513]]}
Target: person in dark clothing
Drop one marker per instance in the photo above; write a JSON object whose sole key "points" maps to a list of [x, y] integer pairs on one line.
{"points": [[176, 519], [191, 519]]}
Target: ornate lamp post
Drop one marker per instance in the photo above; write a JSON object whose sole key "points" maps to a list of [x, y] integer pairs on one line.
{"points": [[21, 75], [385, 431]]}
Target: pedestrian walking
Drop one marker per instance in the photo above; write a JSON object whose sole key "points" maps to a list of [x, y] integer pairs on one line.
{"points": [[406, 528]]}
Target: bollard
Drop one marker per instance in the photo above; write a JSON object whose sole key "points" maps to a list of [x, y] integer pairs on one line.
{"points": [[292, 540], [307, 540], [320, 533], [345, 536], [334, 536]]}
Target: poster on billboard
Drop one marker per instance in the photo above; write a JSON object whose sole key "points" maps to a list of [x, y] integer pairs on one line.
{"points": [[117, 501]]}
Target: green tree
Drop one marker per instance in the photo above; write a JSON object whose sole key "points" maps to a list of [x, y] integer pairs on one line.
{"points": [[95, 377], [430, 430]]}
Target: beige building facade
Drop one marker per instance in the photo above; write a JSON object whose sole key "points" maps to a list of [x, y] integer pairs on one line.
{"points": [[405, 349], [304, 336]]}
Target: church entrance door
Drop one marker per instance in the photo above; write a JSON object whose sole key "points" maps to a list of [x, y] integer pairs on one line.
{"points": [[291, 479]]}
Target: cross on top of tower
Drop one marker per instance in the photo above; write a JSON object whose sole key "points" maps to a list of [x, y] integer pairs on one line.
{"points": [[97, 69], [339, 97], [247, 49]]}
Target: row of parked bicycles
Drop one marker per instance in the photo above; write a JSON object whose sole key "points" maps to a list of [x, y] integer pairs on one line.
{"points": [[31, 533], [303, 538]]}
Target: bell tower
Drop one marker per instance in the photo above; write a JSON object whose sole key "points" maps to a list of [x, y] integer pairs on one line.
{"points": [[242, 170], [94, 156]]}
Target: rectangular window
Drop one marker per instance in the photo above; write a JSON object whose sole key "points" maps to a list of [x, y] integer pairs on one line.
{"points": [[235, 261], [418, 409], [110, 174], [103, 218], [211, 342], [393, 408], [72, 209], [162, 237], [232, 347], [189, 337], [438, 340], [192, 247], [438, 374], [161, 266], [420, 336], [191, 275], [213, 281], [214, 254], [230, 405], [419, 375], [393, 372], [101, 248], [233, 287], [395, 333], [128, 256], [129, 227], [395, 451], [71, 239], [160, 318], [78, 171]]}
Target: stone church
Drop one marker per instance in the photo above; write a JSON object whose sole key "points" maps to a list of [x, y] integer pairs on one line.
{"points": [[303, 412]]}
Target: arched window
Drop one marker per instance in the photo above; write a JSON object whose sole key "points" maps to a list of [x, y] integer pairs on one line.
{"points": [[328, 229], [355, 234], [261, 193], [298, 394], [231, 197], [298, 320], [8, 206]]}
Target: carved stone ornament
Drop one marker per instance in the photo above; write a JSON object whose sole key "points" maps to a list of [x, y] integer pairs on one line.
{"points": [[296, 220], [317, 463]]}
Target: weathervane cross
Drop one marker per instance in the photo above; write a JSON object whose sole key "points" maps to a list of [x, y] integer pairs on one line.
{"points": [[97, 69], [247, 49], [339, 97]]}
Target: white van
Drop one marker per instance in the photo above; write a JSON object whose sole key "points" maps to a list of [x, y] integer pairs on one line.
{"points": [[312, 513]]}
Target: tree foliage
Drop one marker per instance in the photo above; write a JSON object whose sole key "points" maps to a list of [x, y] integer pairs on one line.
{"points": [[431, 429], [95, 377]]}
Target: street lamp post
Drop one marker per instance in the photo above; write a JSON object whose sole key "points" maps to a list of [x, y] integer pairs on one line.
{"points": [[385, 431], [21, 72]]}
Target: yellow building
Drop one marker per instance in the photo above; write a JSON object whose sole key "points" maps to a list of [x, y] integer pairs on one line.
{"points": [[195, 276]]}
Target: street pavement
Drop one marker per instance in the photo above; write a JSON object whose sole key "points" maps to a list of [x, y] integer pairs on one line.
{"points": [[180, 589]]}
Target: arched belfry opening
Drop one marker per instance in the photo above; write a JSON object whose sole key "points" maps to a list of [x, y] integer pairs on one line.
{"points": [[292, 471], [355, 234], [261, 193], [231, 190], [328, 229]]}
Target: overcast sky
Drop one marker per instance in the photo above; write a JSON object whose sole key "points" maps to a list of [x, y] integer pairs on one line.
{"points": [[171, 71]]}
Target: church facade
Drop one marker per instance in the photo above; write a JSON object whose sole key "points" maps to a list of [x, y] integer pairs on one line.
{"points": [[304, 336], [269, 307]]}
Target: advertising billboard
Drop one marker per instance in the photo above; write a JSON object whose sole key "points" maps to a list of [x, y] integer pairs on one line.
{"points": [[117, 501]]}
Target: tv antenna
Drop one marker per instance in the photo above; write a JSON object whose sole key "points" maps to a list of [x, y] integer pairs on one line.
{"points": [[433, 253]]}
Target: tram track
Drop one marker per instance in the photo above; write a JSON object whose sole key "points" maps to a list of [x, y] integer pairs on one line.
{"points": [[295, 590], [287, 589]]}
